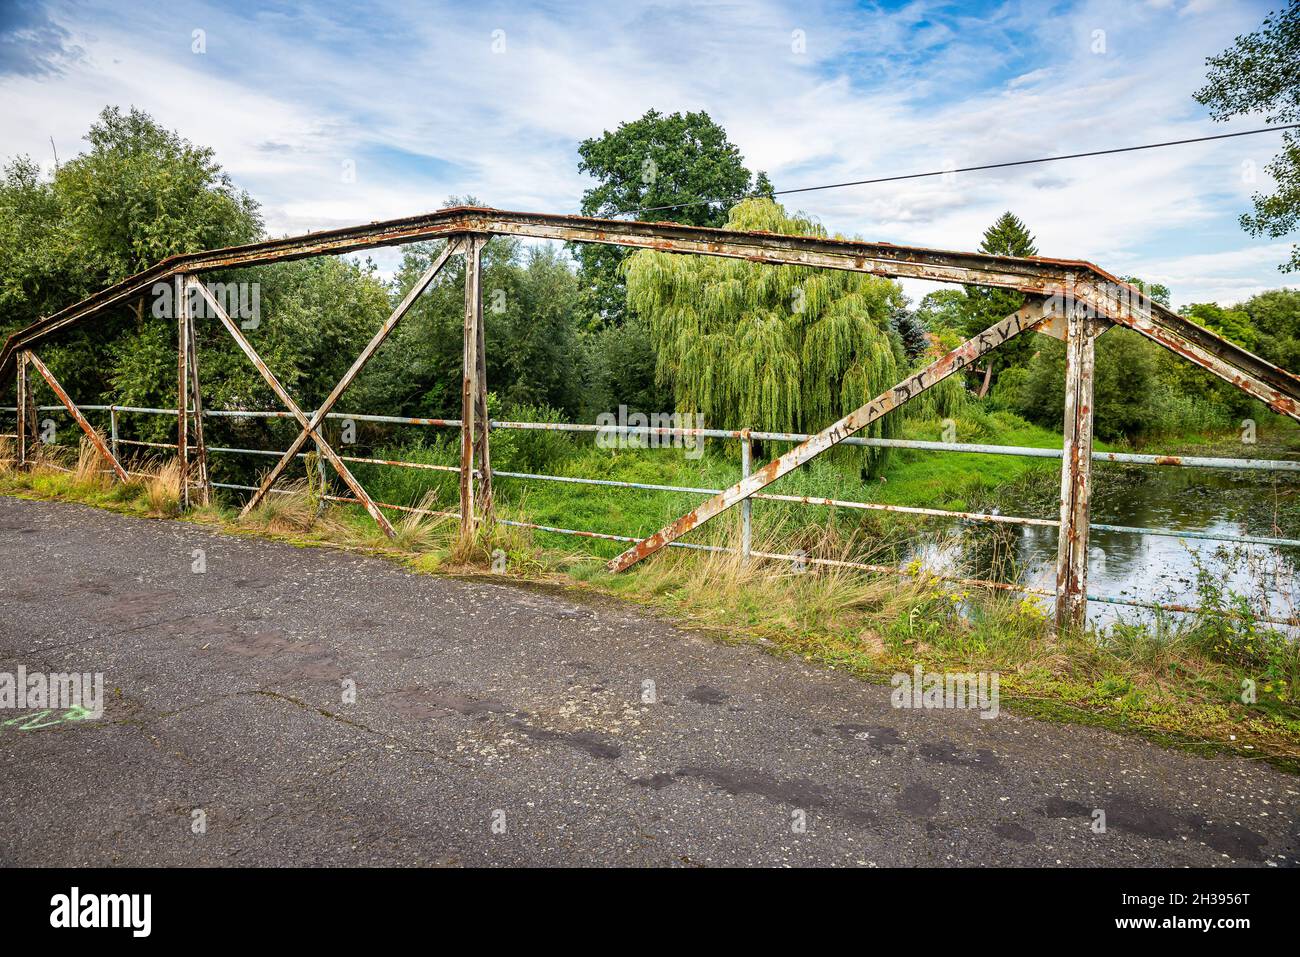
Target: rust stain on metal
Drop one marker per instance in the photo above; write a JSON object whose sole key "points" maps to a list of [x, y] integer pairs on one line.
{"points": [[96, 439], [886, 402]]}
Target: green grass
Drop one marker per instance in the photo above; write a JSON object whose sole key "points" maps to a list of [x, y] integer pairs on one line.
{"points": [[953, 481]]}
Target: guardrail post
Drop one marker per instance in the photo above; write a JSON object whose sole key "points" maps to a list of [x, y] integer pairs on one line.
{"points": [[112, 432], [182, 388], [747, 506], [1076, 472]]}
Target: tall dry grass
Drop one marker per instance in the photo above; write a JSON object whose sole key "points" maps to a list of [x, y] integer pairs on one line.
{"points": [[43, 459], [777, 598], [92, 472], [289, 508], [424, 527], [159, 481]]}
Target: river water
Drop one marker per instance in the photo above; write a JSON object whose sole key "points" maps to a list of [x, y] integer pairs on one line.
{"points": [[1153, 568]]}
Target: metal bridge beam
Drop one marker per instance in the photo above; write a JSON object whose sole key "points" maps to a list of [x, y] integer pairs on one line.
{"points": [[196, 409], [350, 376], [966, 353], [292, 406], [473, 396], [1035, 276], [26, 411]]}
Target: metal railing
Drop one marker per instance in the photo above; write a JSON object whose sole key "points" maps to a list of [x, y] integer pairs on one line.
{"points": [[746, 437]]}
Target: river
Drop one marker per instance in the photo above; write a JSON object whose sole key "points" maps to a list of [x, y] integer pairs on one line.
{"points": [[1126, 566]]}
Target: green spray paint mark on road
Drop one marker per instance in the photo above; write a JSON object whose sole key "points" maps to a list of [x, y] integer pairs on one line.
{"points": [[35, 721]]}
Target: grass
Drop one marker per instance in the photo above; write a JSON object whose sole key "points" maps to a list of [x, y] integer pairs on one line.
{"points": [[1179, 680], [961, 482]]}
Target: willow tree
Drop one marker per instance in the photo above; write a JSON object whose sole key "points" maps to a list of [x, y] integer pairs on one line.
{"points": [[774, 348]]}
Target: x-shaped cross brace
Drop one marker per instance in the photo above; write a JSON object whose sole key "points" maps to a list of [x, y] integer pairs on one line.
{"points": [[309, 428], [292, 406]]}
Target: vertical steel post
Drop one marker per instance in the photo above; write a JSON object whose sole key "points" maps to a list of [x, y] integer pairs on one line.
{"points": [[1076, 472], [196, 404], [112, 432], [482, 421], [469, 380], [182, 388], [747, 506], [25, 422]]}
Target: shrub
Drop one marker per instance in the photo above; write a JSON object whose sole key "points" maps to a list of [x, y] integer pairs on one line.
{"points": [[539, 451]]}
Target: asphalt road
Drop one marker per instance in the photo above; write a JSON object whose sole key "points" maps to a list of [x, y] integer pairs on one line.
{"points": [[494, 724]]}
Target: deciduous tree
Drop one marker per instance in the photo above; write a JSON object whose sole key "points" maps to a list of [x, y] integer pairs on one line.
{"points": [[1260, 74]]}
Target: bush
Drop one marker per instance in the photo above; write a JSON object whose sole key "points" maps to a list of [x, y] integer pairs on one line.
{"points": [[1177, 413], [408, 486], [539, 451], [1126, 382]]}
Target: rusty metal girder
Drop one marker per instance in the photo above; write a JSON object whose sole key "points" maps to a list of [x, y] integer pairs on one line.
{"points": [[966, 353], [204, 479], [348, 377], [1076, 471], [473, 393], [26, 410], [1102, 296], [96, 439], [1094, 287], [182, 387]]}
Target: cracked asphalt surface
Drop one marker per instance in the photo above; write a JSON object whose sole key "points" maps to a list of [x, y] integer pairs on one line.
{"points": [[481, 704]]}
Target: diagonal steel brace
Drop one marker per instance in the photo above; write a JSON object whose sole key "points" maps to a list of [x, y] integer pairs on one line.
{"points": [[95, 437], [371, 347], [966, 353], [292, 406]]}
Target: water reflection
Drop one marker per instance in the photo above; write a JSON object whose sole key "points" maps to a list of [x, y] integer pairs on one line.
{"points": [[1150, 567]]}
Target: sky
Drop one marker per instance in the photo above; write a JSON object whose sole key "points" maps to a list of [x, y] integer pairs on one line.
{"points": [[333, 114]]}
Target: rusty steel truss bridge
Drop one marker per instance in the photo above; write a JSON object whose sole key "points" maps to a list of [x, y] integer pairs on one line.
{"points": [[1071, 300]]}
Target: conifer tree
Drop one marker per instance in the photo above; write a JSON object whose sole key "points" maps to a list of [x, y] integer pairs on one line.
{"points": [[984, 305]]}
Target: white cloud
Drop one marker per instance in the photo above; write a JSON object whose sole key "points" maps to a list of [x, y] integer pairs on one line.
{"points": [[1226, 277], [426, 109]]}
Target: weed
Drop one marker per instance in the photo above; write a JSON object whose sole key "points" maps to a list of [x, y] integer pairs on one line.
{"points": [[288, 508]]}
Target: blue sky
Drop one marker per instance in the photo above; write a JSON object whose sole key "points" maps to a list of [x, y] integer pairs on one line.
{"points": [[425, 101]]}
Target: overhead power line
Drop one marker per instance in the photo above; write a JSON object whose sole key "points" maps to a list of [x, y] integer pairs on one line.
{"points": [[964, 169]]}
